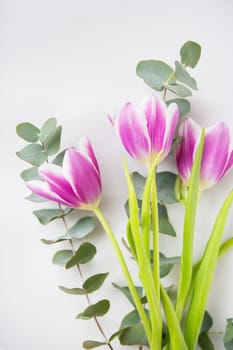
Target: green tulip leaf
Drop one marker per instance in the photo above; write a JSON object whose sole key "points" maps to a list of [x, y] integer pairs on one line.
{"points": [[28, 132], [85, 253], [96, 310], [154, 73], [190, 53], [33, 154], [62, 257]]}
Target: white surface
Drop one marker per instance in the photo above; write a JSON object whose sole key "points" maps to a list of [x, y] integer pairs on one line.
{"points": [[76, 60]]}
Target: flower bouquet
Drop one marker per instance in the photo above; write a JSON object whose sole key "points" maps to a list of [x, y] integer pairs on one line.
{"points": [[168, 318]]}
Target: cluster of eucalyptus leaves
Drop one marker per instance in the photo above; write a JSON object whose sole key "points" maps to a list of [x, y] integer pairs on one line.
{"points": [[44, 146]]}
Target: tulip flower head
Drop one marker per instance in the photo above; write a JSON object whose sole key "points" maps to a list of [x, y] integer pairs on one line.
{"points": [[217, 157], [77, 184], [147, 133]]}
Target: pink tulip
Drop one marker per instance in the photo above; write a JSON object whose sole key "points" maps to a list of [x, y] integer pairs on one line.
{"points": [[147, 132], [77, 184], [217, 156]]}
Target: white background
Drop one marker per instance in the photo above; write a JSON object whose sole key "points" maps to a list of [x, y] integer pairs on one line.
{"points": [[76, 60]]}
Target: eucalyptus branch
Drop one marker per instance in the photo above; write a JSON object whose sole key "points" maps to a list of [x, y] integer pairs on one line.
{"points": [[100, 328]]}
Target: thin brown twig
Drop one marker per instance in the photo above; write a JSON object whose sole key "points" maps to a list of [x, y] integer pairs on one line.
{"points": [[81, 276]]}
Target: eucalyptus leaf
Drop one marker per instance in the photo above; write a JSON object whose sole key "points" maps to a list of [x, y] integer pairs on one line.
{"points": [[166, 264], [134, 335], [154, 73], [82, 227], [164, 223], [58, 160], [73, 291], [85, 253], [30, 174], [33, 197], [62, 257], [130, 319], [166, 181], [53, 141], [228, 335], [178, 89], [89, 286], [96, 310], [91, 344], [48, 129], [183, 105], [45, 216], [183, 76], [207, 322], [33, 154], [126, 292], [190, 53], [53, 241], [94, 282], [28, 132], [139, 183], [205, 342]]}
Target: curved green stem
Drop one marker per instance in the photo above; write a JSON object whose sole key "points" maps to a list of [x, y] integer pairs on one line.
{"points": [[144, 266], [186, 262], [176, 338], [204, 276], [155, 228], [126, 272]]}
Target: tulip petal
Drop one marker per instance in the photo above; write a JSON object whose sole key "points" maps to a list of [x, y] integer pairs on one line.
{"points": [[229, 163], [86, 149], [131, 127], [42, 189], [185, 152], [58, 184], [155, 111], [171, 124], [82, 176], [215, 154]]}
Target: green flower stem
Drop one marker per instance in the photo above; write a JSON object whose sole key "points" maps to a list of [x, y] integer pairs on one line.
{"points": [[144, 266], [176, 338], [145, 214], [204, 276], [186, 262], [126, 272], [225, 247], [155, 228]]}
